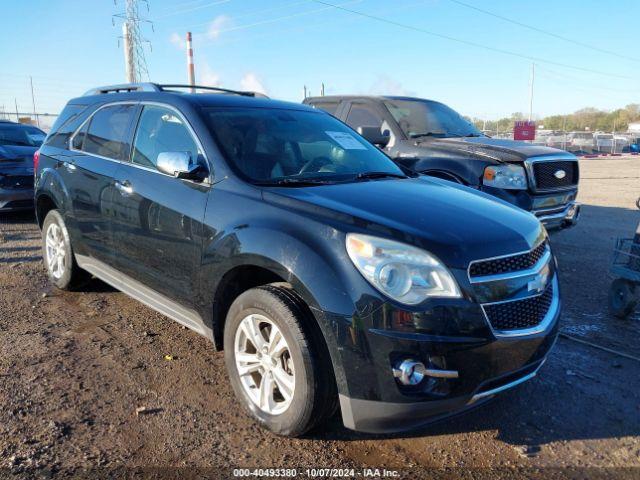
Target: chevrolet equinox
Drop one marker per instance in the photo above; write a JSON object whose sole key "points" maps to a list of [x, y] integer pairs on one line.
{"points": [[331, 277]]}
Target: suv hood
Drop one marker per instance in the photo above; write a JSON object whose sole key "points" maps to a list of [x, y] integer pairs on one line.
{"points": [[456, 223], [485, 148]]}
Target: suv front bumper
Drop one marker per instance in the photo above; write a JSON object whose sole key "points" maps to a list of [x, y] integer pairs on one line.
{"points": [[388, 417]]}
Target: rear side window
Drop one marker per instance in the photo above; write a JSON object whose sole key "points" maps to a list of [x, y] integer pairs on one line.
{"points": [[108, 132], [161, 130], [329, 107]]}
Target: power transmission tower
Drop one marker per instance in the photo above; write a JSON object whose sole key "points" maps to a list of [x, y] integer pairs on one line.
{"points": [[133, 41]]}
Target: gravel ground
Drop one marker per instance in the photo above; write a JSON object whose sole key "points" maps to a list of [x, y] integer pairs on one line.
{"points": [[74, 367]]}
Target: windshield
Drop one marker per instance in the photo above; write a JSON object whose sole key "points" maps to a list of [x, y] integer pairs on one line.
{"points": [[423, 118], [279, 146], [20, 135]]}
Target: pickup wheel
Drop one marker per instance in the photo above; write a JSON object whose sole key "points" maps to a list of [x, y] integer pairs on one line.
{"points": [[58, 257], [274, 361]]}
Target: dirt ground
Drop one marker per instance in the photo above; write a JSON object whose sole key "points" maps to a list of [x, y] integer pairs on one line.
{"points": [[74, 367]]}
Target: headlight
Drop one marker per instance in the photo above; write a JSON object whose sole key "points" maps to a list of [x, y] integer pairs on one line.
{"points": [[402, 272], [511, 177]]}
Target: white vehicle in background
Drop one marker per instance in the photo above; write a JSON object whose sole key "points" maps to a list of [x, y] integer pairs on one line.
{"points": [[620, 143], [581, 142], [604, 142]]}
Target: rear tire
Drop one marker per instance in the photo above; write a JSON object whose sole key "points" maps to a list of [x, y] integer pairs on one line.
{"points": [[622, 298], [58, 256], [299, 362]]}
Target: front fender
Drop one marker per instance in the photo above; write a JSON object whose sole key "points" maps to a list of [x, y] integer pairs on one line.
{"points": [[467, 171], [316, 267]]}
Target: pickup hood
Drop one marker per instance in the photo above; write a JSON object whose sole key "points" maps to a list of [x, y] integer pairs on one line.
{"points": [[456, 223], [484, 148], [16, 160]]}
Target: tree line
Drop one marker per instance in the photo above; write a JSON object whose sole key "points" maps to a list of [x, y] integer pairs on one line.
{"points": [[591, 119]]}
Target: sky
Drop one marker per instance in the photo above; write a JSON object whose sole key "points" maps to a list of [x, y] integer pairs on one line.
{"points": [[477, 61]]}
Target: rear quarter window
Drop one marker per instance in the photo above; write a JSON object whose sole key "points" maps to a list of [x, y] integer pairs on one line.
{"points": [[65, 125]]}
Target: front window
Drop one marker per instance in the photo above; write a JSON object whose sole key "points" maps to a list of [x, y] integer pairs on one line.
{"points": [[161, 130], [423, 118], [278, 146], [21, 136]]}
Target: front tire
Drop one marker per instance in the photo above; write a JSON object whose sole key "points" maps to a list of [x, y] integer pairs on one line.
{"points": [[58, 256], [275, 361]]}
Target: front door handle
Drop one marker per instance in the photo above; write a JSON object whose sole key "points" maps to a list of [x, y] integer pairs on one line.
{"points": [[125, 187]]}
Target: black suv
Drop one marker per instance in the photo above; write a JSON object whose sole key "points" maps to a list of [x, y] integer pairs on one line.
{"points": [[329, 275], [431, 138], [18, 143]]}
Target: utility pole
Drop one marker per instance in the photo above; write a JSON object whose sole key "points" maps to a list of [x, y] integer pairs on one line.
{"points": [[17, 114], [533, 76], [134, 58], [129, 63], [33, 101], [305, 91], [190, 68], [322, 90]]}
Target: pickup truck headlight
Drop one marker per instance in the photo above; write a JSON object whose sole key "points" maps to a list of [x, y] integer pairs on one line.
{"points": [[404, 273], [510, 177]]}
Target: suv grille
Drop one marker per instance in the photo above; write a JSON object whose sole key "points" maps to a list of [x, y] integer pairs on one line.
{"points": [[519, 314], [514, 263], [16, 182], [544, 174]]}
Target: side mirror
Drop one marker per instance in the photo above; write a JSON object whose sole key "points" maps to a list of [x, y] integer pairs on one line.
{"points": [[178, 164], [373, 135]]}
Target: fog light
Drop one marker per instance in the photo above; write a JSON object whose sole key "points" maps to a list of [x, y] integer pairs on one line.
{"points": [[409, 372], [412, 372]]}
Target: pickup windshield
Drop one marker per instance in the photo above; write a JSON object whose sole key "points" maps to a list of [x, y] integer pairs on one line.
{"points": [[21, 135], [294, 147], [424, 118]]}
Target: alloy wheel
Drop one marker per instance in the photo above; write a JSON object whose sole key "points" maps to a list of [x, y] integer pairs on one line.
{"points": [[264, 364], [55, 251]]}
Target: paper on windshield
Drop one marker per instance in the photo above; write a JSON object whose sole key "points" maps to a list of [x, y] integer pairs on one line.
{"points": [[346, 140]]}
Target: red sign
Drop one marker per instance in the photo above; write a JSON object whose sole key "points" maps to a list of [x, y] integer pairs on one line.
{"points": [[524, 131]]}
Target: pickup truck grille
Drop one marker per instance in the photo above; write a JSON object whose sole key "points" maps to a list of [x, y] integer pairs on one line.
{"points": [[510, 264], [544, 174], [16, 182], [519, 314]]}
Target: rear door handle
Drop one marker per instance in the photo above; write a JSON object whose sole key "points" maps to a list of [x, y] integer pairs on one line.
{"points": [[124, 187], [70, 166]]}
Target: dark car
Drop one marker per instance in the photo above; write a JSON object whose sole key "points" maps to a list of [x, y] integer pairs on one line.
{"points": [[431, 138], [328, 274], [18, 143]]}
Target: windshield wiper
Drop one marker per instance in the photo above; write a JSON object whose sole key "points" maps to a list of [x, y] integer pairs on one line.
{"points": [[372, 175], [295, 182], [427, 134]]}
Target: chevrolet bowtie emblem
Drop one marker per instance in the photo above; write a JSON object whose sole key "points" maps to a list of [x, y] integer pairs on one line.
{"points": [[539, 282]]}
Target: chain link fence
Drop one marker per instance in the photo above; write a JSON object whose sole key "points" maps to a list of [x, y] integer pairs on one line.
{"points": [[582, 143], [44, 121]]}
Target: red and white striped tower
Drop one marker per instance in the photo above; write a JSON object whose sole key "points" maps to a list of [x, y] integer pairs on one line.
{"points": [[190, 67]]}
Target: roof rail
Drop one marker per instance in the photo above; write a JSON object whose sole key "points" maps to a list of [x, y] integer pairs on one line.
{"points": [[124, 87], [215, 89], [154, 87]]}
